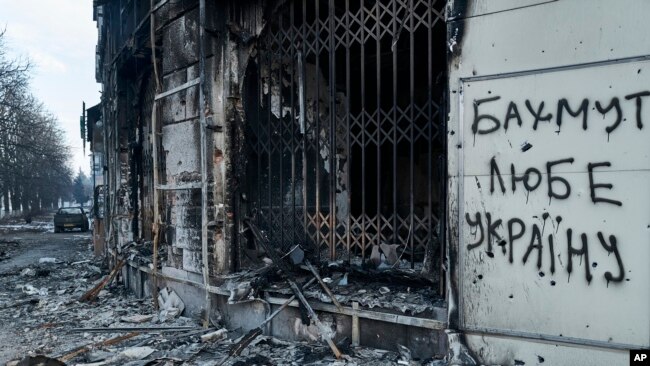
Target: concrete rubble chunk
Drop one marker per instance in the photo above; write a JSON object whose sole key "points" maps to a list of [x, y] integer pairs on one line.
{"points": [[344, 280], [375, 255], [390, 250], [137, 353], [297, 255], [80, 262], [405, 355], [170, 304], [98, 355], [138, 318], [47, 260], [31, 290], [28, 272], [214, 336]]}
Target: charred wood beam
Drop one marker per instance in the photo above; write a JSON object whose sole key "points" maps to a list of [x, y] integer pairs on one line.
{"points": [[285, 269]]}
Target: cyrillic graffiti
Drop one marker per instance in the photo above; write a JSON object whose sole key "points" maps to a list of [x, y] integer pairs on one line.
{"points": [[485, 230], [484, 123]]}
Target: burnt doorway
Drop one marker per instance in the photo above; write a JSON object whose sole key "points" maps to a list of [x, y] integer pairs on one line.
{"points": [[345, 129]]}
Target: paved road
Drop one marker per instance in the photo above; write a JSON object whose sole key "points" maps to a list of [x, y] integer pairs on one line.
{"points": [[26, 246]]}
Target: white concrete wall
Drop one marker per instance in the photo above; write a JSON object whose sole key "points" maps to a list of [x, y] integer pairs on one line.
{"points": [[505, 55]]}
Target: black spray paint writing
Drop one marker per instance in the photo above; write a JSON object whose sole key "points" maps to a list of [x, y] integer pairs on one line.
{"points": [[534, 246], [556, 186], [485, 123]]}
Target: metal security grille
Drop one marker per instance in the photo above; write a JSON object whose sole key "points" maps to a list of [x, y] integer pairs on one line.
{"points": [[345, 130], [146, 174]]}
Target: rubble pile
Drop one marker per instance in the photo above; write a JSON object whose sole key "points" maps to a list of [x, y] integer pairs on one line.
{"points": [[395, 290], [41, 305]]}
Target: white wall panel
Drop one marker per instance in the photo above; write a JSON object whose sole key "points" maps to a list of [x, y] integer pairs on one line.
{"points": [[572, 51]]}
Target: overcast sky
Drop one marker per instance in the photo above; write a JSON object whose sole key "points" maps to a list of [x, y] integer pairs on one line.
{"points": [[59, 37]]}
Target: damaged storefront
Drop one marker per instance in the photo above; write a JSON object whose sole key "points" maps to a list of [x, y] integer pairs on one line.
{"points": [[306, 156], [251, 142]]}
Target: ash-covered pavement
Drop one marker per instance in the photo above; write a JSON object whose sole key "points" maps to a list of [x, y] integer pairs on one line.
{"points": [[43, 276]]}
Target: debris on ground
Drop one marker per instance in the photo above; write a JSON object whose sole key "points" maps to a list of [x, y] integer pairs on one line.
{"points": [[41, 305], [170, 304], [138, 318], [214, 336]]}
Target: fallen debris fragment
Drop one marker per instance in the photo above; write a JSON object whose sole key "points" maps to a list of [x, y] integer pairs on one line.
{"points": [[137, 353], [390, 251], [344, 280], [99, 355], [31, 290], [324, 286], [138, 318], [405, 355], [246, 340], [214, 336], [47, 260], [80, 262], [28, 272], [170, 304], [105, 343], [94, 292], [325, 334]]}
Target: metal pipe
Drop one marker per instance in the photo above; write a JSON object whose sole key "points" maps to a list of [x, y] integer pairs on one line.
{"points": [[156, 179], [333, 149], [348, 233], [317, 131], [412, 138], [203, 109]]}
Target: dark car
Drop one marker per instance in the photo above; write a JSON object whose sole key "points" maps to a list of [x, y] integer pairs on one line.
{"points": [[70, 218]]}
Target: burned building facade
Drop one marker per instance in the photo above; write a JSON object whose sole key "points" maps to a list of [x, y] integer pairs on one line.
{"points": [[342, 128], [320, 122]]}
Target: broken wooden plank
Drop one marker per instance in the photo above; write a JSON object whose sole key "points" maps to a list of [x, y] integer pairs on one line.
{"points": [[312, 314], [92, 293], [108, 342], [324, 285], [284, 268]]}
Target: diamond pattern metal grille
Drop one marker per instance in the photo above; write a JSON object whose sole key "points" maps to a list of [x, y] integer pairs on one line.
{"points": [[345, 127]]}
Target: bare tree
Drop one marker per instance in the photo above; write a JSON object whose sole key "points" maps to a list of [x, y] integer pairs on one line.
{"points": [[34, 169]]}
